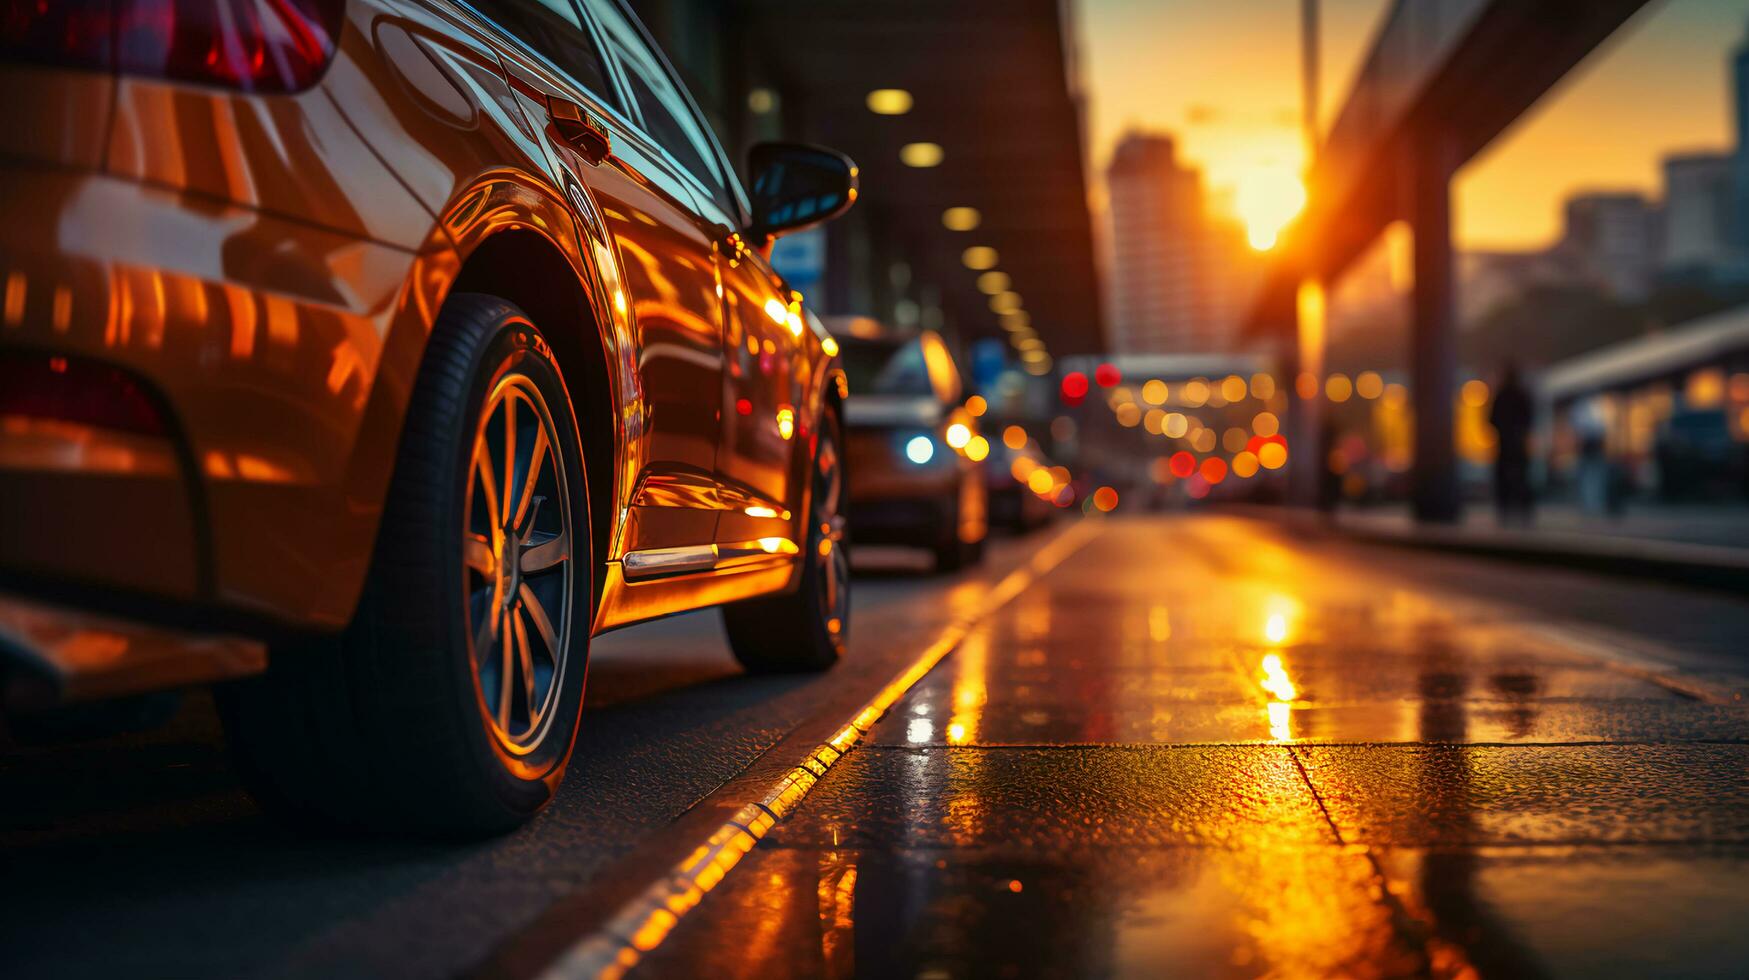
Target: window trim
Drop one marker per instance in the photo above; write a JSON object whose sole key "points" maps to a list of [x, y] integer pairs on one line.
{"points": [[741, 214], [603, 100]]}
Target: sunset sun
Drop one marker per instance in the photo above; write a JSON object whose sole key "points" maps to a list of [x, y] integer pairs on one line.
{"points": [[1267, 199]]}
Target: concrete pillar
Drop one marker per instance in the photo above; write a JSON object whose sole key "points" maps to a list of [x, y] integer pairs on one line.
{"points": [[1433, 341], [1306, 460]]}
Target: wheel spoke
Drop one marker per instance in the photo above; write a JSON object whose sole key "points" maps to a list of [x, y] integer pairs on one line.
{"points": [[543, 624], [548, 553], [477, 554], [505, 643], [526, 494], [525, 659], [509, 500], [489, 480], [487, 631], [829, 469]]}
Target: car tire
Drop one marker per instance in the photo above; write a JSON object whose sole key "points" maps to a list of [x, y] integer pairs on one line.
{"points": [[446, 707], [952, 553], [806, 629]]}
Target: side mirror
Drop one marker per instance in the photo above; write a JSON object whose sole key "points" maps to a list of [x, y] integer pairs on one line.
{"points": [[797, 186]]}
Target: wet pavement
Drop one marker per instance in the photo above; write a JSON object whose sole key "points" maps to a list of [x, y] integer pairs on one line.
{"points": [[1199, 745], [1198, 748]]}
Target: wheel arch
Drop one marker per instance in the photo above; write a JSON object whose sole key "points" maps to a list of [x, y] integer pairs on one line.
{"points": [[523, 266]]}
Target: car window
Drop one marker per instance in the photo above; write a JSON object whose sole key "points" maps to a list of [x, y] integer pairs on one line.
{"points": [[668, 116], [886, 369], [553, 29]]}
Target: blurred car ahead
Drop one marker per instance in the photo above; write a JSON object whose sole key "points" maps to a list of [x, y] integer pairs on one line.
{"points": [[1699, 458], [914, 455], [370, 356]]}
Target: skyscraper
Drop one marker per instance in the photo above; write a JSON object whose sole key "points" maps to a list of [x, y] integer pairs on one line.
{"points": [[1160, 296], [1611, 240], [1740, 112], [1697, 211]]}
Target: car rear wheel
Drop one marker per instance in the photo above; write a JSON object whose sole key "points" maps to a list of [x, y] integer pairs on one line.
{"points": [[450, 704], [807, 629], [952, 552]]}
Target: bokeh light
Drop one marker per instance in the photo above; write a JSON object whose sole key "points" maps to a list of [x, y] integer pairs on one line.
{"points": [[1338, 388], [1369, 385], [1233, 389]]}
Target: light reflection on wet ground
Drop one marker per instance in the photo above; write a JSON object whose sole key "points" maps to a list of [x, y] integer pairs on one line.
{"points": [[1200, 749]]}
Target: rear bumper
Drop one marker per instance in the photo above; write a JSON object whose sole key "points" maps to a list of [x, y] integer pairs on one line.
{"points": [[260, 336], [51, 655]]}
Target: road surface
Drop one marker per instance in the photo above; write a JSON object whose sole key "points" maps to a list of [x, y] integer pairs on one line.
{"points": [[1189, 744]]}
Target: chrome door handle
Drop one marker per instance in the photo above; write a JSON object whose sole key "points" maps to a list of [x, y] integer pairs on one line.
{"points": [[578, 129]]}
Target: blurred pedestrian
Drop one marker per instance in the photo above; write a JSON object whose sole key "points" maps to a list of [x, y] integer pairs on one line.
{"points": [[1330, 474], [1511, 416]]}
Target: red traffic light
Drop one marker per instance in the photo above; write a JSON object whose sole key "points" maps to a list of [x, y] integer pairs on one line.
{"points": [[1107, 375], [1074, 387]]}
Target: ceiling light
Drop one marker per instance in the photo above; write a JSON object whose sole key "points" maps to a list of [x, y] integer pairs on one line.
{"points": [[889, 101], [921, 154], [979, 257], [961, 219]]}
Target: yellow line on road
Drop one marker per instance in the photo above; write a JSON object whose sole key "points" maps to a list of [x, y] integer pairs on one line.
{"points": [[643, 923]]}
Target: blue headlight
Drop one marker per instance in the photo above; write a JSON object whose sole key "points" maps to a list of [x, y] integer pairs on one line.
{"points": [[920, 449]]}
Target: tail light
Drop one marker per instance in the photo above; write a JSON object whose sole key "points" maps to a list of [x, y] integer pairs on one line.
{"points": [[46, 386], [253, 45]]}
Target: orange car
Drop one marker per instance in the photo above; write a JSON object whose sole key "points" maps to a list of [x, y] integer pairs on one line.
{"points": [[381, 352]]}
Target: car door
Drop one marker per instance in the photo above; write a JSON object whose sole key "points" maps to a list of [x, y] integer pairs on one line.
{"points": [[762, 325], [763, 376], [670, 293]]}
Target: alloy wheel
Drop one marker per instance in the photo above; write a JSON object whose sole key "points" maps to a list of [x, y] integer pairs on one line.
{"points": [[517, 554], [829, 540]]}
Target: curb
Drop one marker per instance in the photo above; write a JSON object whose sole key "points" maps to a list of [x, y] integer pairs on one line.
{"points": [[1703, 566], [640, 925]]}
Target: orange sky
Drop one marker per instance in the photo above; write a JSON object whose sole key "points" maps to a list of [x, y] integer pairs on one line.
{"points": [[1224, 78]]}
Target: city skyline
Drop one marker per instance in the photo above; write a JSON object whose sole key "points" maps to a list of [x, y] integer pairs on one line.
{"points": [[1225, 81]]}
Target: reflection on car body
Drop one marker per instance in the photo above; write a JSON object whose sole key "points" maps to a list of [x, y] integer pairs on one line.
{"points": [[389, 364]]}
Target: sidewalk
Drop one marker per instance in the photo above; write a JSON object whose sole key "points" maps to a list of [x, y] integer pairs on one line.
{"points": [[1696, 545]]}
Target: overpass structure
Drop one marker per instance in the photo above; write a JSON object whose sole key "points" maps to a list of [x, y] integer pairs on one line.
{"points": [[1442, 80]]}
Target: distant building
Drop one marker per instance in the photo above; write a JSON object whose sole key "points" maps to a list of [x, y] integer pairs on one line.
{"points": [[1178, 276], [1490, 280], [1698, 195], [1612, 241], [1740, 160]]}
